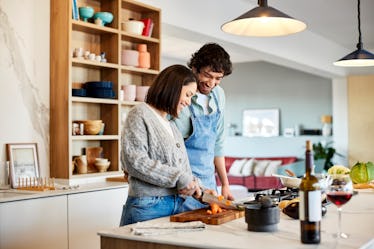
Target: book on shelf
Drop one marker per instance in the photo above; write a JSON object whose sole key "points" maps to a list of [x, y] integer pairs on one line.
{"points": [[148, 25], [151, 30], [75, 10]]}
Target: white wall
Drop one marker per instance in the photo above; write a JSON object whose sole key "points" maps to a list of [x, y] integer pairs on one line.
{"points": [[24, 80], [301, 98]]}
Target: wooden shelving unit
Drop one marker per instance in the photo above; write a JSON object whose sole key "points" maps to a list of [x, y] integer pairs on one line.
{"points": [[68, 34]]}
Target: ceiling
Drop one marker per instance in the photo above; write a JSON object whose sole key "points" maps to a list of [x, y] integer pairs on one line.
{"points": [[332, 32]]}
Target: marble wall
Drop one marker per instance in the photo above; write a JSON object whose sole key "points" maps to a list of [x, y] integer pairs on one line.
{"points": [[24, 76]]}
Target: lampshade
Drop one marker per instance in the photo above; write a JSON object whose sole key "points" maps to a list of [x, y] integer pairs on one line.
{"points": [[359, 57], [263, 21]]}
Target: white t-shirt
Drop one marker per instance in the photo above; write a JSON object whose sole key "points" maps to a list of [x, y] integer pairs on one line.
{"points": [[203, 100], [165, 123]]}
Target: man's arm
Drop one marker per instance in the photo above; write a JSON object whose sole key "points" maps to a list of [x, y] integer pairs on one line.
{"points": [[219, 162]]}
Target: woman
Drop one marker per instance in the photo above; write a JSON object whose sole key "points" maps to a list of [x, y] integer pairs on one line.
{"points": [[153, 151]]}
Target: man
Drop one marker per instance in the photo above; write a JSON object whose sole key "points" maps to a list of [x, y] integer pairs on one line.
{"points": [[202, 123]]}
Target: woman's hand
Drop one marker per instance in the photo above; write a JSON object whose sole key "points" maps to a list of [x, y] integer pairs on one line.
{"points": [[192, 188]]}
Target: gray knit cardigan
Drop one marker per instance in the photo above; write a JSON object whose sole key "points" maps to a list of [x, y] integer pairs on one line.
{"points": [[157, 163]]}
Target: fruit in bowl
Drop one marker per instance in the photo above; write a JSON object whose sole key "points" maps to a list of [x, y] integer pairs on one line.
{"points": [[86, 12], [338, 170], [105, 17]]}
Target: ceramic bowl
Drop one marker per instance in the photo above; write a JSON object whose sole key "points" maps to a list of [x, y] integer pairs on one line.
{"points": [[129, 92], [86, 12], [92, 127], [130, 57], [141, 92], [101, 160], [105, 17], [290, 182], [102, 166], [133, 27]]}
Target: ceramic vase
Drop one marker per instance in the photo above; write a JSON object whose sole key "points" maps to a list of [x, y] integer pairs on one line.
{"points": [[144, 56]]}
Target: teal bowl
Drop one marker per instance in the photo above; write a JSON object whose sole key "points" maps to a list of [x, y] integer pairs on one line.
{"points": [[105, 17], [86, 12]]}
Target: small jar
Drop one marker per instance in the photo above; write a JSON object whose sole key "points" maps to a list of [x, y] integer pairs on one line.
{"points": [[144, 56]]}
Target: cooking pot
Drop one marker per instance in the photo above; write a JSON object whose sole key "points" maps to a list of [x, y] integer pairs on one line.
{"points": [[133, 26]]}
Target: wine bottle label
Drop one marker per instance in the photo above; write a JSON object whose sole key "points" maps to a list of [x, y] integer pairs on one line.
{"points": [[310, 208]]}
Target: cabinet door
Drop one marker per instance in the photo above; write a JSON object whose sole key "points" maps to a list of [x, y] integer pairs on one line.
{"points": [[91, 212], [34, 224]]}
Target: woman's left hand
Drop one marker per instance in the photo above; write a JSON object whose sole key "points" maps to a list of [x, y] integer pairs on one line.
{"points": [[190, 189]]}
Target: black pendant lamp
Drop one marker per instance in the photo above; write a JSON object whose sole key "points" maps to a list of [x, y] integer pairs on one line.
{"points": [[263, 21], [360, 57]]}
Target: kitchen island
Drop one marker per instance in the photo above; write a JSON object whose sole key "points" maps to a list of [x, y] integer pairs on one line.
{"points": [[357, 221]]}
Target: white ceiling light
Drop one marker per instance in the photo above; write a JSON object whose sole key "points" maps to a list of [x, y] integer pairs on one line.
{"points": [[263, 21]]}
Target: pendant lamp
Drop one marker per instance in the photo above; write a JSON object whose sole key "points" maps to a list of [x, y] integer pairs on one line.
{"points": [[359, 57], [263, 21]]}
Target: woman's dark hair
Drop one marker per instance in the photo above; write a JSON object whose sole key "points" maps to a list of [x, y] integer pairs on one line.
{"points": [[211, 55], [165, 91]]}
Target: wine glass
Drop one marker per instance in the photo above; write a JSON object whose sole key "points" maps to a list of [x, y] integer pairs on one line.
{"points": [[339, 192]]}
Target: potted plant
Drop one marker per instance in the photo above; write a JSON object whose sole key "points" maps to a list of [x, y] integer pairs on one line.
{"points": [[324, 154]]}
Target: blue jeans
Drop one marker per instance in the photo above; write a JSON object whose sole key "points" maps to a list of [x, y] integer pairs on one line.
{"points": [[192, 204], [138, 209]]}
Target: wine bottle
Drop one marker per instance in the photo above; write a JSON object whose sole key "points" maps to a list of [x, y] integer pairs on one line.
{"points": [[310, 202]]}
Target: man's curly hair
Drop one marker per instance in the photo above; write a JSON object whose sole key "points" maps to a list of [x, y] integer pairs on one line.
{"points": [[211, 55]]}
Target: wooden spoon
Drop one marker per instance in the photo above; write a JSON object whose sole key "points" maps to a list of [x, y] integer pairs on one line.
{"points": [[290, 173]]}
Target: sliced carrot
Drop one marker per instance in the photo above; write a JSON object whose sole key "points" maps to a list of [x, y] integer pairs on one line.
{"points": [[220, 197], [214, 207]]}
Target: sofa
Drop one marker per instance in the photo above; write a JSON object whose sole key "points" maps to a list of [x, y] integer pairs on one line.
{"points": [[255, 173]]}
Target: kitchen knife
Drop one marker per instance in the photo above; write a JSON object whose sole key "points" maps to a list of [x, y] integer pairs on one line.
{"points": [[221, 202]]}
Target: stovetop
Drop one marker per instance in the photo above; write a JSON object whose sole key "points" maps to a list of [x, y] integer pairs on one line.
{"points": [[276, 195]]}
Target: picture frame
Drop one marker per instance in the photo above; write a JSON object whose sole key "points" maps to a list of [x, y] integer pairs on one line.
{"points": [[261, 122], [23, 162]]}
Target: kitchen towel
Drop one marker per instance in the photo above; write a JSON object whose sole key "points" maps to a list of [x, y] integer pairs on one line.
{"points": [[166, 228]]}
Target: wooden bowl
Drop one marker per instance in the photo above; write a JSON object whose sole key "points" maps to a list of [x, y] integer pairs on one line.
{"points": [[92, 127]]}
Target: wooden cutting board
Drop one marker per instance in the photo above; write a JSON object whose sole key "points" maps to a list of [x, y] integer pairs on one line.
{"points": [[210, 219]]}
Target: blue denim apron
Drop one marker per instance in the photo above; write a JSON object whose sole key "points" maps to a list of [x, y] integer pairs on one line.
{"points": [[200, 147]]}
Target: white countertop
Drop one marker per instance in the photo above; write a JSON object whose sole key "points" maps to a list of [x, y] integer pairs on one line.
{"points": [[357, 220], [18, 195]]}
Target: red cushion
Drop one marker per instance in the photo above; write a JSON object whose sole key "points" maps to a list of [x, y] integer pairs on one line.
{"points": [[253, 182]]}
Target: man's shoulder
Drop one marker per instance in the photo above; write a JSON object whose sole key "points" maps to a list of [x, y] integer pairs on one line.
{"points": [[218, 91], [220, 94]]}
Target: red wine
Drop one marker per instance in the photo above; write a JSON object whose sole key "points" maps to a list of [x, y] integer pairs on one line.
{"points": [[310, 212], [339, 198]]}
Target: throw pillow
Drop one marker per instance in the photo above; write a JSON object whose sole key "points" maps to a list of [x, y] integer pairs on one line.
{"points": [[260, 167], [272, 167], [236, 167], [247, 168]]}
